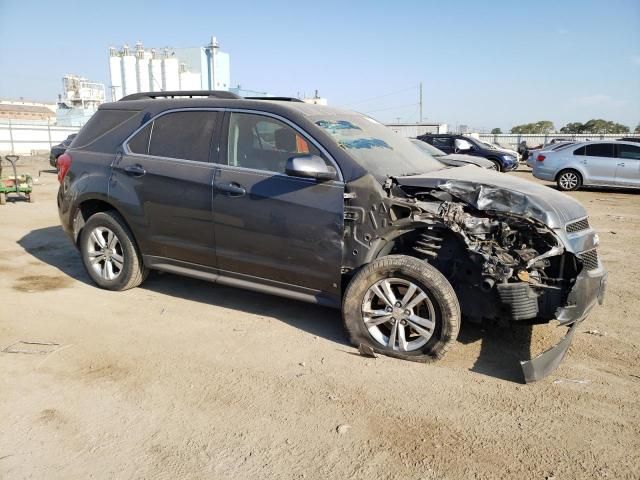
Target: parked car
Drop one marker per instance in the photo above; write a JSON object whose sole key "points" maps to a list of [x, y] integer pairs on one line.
{"points": [[630, 139], [497, 146], [602, 163], [550, 147], [59, 149], [326, 206], [453, 159], [452, 143]]}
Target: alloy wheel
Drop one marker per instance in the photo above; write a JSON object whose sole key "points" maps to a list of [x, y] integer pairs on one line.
{"points": [[105, 253], [398, 314], [569, 180]]}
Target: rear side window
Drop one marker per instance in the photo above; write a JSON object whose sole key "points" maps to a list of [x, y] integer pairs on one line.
{"points": [[600, 150], [180, 135], [100, 123], [629, 151], [580, 151]]}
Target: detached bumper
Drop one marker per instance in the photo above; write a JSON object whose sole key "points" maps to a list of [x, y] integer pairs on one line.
{"points": [[590, 288]]}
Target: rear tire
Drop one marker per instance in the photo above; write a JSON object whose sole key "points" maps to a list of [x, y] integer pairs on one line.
{"points": [[569, 180], [391, 324], [30, 198], [110, 254]]}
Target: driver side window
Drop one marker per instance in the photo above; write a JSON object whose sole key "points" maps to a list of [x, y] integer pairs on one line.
{"points": [[264, 143]]}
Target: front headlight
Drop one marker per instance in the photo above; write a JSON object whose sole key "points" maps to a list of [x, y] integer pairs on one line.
{"points": [[509, 158]]}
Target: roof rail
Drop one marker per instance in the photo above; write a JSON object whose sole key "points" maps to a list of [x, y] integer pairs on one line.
{"points": [[181, 93], [278, 99]]}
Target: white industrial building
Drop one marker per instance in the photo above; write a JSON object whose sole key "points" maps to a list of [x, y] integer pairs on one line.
{"points": [[79, 101], [413, 130], [155, 70]]}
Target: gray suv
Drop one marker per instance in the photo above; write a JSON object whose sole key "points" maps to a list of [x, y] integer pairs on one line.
{"points": [[325, 206]]}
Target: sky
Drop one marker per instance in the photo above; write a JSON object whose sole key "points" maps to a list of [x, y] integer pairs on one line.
{"points": [[482, 64]]}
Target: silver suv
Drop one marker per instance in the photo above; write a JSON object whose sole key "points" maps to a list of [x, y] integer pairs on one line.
{"points": [[611, 164]]}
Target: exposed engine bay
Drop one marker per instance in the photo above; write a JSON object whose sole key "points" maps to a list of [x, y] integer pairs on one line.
{"points": [[503, 266]]}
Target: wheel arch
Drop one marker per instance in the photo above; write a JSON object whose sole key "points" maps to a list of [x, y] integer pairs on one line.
{"points": [[571, 168], [90, 206]]}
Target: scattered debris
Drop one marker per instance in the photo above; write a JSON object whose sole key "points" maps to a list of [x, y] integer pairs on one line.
{"points": [[571, 380], [322, 360], [367, 351], [239, 330], [632, 375], [333, 397], [32, 348], [613, 233], [302, 364], [598, 333], [342, 429]]}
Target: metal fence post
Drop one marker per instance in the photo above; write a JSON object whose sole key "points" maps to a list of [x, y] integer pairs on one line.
{"points": [[49, 132], [13, 152]]}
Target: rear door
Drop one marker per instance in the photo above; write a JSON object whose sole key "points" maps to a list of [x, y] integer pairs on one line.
{"points": [[628, 165], [272, 228], [600, 163], [162, 183]]}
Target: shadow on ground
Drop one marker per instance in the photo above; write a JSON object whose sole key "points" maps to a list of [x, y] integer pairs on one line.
{"points": [[501, 348], [500, 352], [52, 246]]}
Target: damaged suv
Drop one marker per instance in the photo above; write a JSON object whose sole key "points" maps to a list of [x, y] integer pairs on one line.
{"points": [[325, 206]]}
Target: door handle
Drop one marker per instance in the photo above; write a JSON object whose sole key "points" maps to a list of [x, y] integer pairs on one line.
{"points": [[134, 170], [232, 189], [621, 164]]}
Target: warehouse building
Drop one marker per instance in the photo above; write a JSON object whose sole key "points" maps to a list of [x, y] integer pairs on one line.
{"points": [[413, 130]]}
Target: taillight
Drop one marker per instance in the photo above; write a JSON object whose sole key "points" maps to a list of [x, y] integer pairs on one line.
{"points": [[540, 158], [63, 163]]}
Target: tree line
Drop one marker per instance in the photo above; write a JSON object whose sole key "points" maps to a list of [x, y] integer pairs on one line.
{"points": [[593, 126]]}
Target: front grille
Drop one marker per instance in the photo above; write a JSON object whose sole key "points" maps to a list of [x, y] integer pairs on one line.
{"points": [[578, 226], [589, 259]]}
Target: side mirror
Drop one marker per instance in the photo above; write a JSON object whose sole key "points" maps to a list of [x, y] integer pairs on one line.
{"points": [[309, 166]]}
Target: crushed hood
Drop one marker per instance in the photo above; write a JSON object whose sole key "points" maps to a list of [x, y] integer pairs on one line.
{"points": [[491, 190]]}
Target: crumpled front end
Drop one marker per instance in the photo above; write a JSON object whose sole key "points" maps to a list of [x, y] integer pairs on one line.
{"points": [[513, 251]]}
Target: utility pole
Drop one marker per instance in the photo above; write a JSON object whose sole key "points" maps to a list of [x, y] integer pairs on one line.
{"points": [[420, 102]]}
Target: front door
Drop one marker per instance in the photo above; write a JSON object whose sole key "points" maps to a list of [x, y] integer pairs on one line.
{"points": [[628, 165], [270, 227], [162, 183]]}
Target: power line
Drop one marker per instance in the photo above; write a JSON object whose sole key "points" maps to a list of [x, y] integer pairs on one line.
{"points": [[382, 96], [391, 108]]}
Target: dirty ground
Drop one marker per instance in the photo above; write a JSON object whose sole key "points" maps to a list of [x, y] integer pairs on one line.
{"points": [[184, 379]]}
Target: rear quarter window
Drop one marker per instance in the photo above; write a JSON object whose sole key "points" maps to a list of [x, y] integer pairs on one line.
{"points": [[102, 122], [580, 151]]}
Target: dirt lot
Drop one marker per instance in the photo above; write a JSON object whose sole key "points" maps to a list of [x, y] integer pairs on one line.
{"points": [[183, 379]]}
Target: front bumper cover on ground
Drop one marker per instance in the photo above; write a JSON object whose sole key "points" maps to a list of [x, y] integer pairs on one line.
{"points": [[589, 289]]}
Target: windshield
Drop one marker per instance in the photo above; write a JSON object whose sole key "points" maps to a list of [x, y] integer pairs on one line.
{"points": [[375, 147], [428, 148]]}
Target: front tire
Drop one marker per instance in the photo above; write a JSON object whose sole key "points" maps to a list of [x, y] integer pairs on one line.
{"points": [[569, 180], [497, 164], [109, 252], [402, 307]]}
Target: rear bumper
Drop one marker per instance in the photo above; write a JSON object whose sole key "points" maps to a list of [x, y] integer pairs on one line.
{"points": [[543, 174]]}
